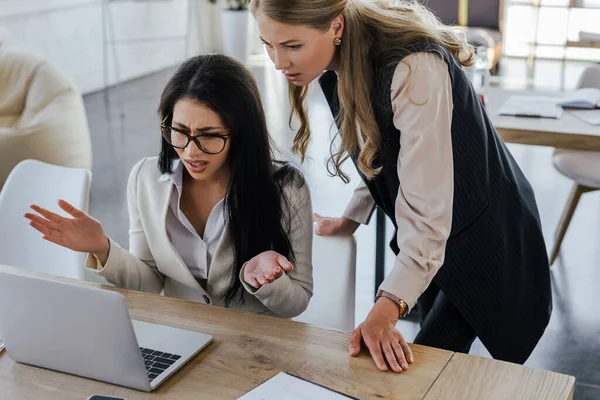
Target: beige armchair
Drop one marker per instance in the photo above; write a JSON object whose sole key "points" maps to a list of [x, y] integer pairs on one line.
{"points": [[42, 115]]}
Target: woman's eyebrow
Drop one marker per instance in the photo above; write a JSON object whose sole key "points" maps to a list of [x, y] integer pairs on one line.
{"points": [[203, 129], [282, 43]]}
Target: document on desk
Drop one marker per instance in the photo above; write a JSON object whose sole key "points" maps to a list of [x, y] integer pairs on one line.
{"points": [[592, 117], [532, 106], [286, 387]]}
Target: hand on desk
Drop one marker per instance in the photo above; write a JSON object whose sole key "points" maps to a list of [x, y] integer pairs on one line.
{"points": [[80, 233], [380, 335], [265, 268], [327, 226]]}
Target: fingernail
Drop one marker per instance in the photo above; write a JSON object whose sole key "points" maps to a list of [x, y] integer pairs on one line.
{"points": [[352, 350], [404, 365], [411, 359]]}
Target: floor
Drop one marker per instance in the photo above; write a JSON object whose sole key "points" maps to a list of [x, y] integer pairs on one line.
{"points": [[124, 128]]}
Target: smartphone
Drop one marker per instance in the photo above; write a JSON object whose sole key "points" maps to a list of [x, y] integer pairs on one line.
{"points": [[102, 397], [1, 346]]}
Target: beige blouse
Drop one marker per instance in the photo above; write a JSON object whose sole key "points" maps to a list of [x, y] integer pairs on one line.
{"points": [[421, 95]]}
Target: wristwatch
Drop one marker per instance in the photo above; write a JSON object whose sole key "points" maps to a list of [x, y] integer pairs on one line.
{"points": [[402, 306]]}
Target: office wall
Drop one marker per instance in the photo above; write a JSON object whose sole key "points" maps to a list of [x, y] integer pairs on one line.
{"points": [[137, 37]]}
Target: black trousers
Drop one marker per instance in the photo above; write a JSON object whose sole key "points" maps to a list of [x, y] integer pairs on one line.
{"points": [[442, 325]]}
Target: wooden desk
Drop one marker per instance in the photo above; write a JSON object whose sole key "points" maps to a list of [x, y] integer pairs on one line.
{"points": [[475, 378], [568, 132], [249, 349], [585, 44]]}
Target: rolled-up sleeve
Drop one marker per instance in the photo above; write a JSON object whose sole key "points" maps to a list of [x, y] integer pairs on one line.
{"points": [[361, 205]]}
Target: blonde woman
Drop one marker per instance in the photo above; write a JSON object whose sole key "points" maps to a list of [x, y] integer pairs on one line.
{"points": [[469, 245]]}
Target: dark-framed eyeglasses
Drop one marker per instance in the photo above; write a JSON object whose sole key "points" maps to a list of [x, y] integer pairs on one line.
{"points": [[208, 143]]}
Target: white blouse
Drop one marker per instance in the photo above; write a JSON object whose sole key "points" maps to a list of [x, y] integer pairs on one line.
{"points": [[197, 252], [421, 95]]}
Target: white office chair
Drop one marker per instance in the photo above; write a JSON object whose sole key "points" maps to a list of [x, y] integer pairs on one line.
{"points": [[334, 276], [35, 182], [583, 167]]}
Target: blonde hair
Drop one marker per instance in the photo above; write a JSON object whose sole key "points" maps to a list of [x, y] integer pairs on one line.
{"points": [[370, 26]]}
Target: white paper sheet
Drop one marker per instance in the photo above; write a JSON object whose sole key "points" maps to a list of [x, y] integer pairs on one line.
{"points": [[532, 106], [592, 117], [286, 387]]}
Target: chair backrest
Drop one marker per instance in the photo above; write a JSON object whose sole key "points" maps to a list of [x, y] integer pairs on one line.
{"points": [[334, 277], [590, 78], [35, 182]]}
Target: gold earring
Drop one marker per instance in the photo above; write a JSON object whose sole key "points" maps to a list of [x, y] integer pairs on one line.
{"points": [[337, 41]]}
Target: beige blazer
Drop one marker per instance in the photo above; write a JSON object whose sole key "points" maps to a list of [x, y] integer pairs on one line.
{"points": [[152, 263]]}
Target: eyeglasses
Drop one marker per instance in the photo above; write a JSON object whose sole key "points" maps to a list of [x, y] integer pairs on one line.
{"points": [[208, 143]]}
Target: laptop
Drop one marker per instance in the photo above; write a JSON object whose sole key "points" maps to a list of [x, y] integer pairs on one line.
{"points": [[87, 331]]}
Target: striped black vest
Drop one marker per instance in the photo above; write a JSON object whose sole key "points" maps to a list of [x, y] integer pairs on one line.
{"points": [[496, 268]]}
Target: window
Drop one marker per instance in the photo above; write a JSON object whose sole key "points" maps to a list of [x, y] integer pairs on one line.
{"points": [[550, 29]]}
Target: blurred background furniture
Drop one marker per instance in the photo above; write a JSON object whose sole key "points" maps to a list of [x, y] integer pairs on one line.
{"points": [[36, 182], [42, 115], [480, 20], [583, 167]]}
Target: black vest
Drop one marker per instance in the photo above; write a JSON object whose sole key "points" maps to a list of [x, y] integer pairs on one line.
{"points": [[496, 268]]}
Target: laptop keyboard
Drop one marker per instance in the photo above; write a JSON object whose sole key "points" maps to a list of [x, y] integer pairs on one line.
{"points": [[157, 362]]}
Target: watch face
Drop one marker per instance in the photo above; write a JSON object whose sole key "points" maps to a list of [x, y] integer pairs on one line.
{"points": [[403, 308]]}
